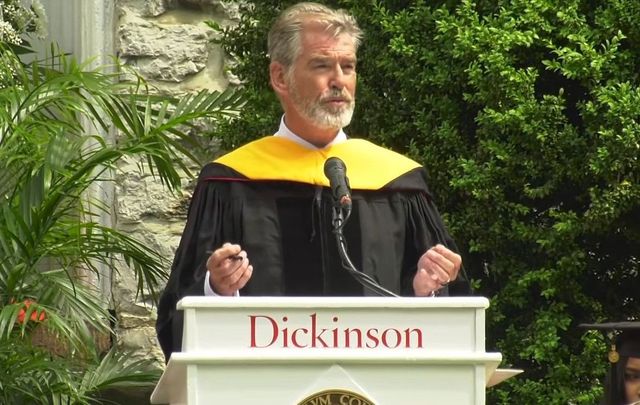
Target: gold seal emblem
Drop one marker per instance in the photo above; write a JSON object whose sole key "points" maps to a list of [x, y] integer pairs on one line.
{"points": [[336, 397]]}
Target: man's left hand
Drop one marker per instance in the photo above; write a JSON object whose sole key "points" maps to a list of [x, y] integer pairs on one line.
{"points": [[437, 267]]}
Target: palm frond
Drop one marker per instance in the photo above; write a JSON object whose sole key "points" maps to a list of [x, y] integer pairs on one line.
{"points": [[29, 374], [120, 369], [51, 153]]}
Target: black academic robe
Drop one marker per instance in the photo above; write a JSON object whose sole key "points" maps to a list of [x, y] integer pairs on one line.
{"points": [[272, 198]]}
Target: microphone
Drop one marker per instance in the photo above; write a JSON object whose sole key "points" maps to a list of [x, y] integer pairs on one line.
{"points": [[336, 172]]}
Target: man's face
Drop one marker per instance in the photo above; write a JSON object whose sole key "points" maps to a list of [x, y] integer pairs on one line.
{"points": [[322, 82]]}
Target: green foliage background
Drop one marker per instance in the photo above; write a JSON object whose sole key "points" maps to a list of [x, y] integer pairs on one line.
{"points": [[526, 114]]}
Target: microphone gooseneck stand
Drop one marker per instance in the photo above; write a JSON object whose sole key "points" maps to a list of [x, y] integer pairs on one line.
{"points": [[338, 221]]}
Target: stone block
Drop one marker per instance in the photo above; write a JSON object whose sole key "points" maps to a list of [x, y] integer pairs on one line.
{"points": [[165, 53]]}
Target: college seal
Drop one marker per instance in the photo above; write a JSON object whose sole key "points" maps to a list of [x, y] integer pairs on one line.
{"points": [[335, 397]]}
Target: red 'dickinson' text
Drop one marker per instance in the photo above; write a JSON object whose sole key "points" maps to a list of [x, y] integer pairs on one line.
{"points": [[267, 332]]}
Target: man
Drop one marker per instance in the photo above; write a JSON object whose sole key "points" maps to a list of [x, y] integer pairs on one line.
{"points": [[259, 221]]}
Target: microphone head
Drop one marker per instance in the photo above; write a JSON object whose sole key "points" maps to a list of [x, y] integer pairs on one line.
{"points": [[336, 172], [333, 165]]}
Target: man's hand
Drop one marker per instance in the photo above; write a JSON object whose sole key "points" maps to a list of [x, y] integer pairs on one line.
{"points": [[437, 267], [229, 269]]}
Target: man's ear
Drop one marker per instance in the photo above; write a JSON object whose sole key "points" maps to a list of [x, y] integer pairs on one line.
{"points": [[277, 75]]}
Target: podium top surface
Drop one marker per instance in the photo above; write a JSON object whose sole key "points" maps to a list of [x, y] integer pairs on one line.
{"points": [[333, 302]]}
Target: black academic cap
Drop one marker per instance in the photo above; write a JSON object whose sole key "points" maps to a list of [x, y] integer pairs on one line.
{"points": [[625, 337]]}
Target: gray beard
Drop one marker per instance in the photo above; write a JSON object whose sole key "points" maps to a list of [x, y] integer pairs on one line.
{"points": [[318, 114], [327, 119]]}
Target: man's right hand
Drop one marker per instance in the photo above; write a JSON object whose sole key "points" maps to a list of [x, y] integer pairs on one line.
{"points": [[229, 269]]}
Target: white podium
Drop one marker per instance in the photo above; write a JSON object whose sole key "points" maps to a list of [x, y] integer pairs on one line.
{"points": [[330, 350]]}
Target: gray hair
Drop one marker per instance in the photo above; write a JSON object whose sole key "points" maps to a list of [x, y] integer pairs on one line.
{"points": [[284, 41]]}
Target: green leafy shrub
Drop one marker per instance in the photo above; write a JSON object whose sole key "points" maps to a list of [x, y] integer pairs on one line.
{"points": [[526, 115]]}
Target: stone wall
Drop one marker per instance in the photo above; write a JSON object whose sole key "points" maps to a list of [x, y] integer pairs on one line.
{"points": [[167, 42]]}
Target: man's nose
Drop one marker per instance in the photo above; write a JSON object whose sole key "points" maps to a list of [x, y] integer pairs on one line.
{"points": [[337, 80]]}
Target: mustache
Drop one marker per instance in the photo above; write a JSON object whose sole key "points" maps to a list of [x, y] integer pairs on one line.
{"points": [[336, 93]]}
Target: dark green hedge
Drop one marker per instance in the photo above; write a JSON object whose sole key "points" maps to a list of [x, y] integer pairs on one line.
{"points": [[526, 115]]}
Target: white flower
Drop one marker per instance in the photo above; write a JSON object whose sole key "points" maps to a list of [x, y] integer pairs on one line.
{"points": [[16, 20], [8, 33]]}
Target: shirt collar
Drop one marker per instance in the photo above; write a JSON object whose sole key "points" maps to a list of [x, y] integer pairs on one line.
{"points": [[285, 132]]}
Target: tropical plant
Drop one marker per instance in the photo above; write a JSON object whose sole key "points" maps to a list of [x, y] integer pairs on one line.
{"points": [[53, 113]]}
